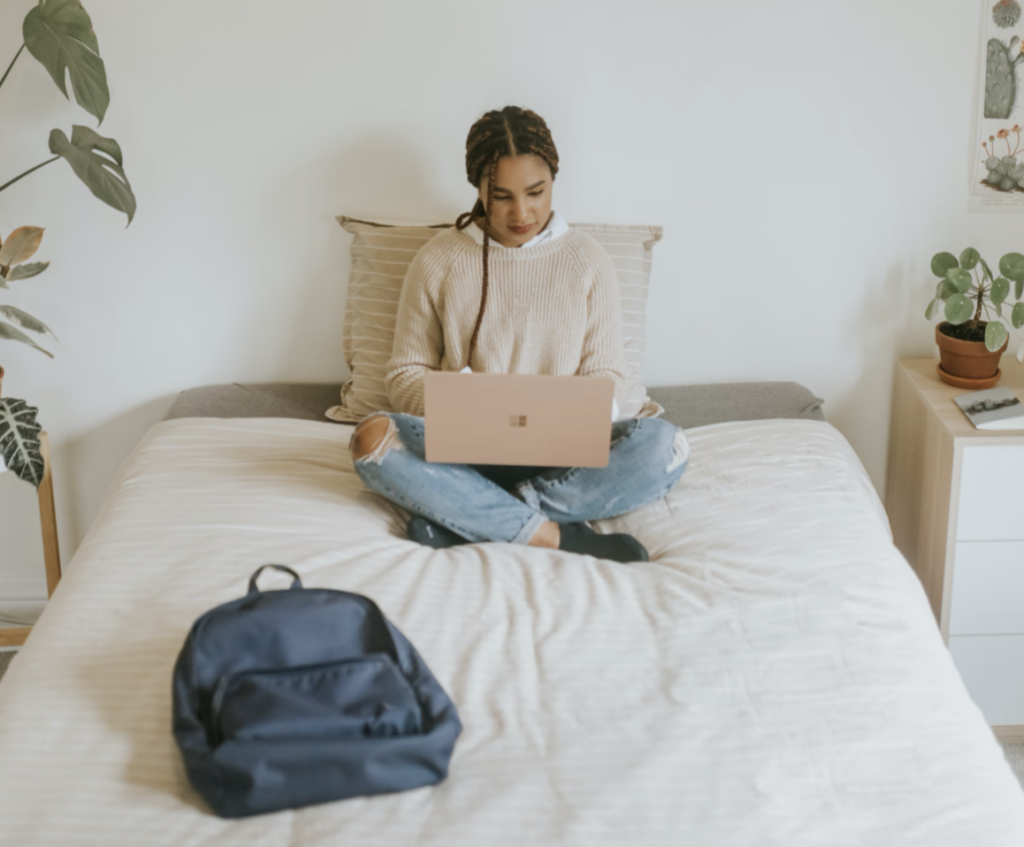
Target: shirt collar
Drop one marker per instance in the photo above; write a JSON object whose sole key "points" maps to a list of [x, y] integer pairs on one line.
{"points": [[556, 227]]}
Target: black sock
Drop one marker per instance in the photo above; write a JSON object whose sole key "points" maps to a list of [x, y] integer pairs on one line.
{"points": [[575, 538], [575, 529], [432, 534], [580, 538]]}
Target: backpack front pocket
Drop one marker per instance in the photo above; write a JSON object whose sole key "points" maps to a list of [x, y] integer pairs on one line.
{"points": [[367, 697]]}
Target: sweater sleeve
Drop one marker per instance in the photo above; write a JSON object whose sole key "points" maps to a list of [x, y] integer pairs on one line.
{"points": [[419, 337], [603, 352]]}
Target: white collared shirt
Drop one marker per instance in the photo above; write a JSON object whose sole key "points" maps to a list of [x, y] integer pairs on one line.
{"points": [[556, 227]]}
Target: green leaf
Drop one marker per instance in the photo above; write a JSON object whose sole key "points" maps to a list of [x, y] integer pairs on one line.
{"points": [[1018, 289], [959, 279], [1000, 290], [929, 313], [943, 262], [9, 333], [1012, 266], [104, 177], [21, 245], [987, 269], [958, 309], [969, 258], [995, 335], [59, 34], [27, 271], [19, 440], [1017, 315], [25, 320]]}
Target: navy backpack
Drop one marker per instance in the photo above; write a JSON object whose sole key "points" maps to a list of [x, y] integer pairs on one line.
{"points": [[287, 698]]}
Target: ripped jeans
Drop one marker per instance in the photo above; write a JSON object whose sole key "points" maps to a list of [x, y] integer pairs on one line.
{"points": [[509, 503]]}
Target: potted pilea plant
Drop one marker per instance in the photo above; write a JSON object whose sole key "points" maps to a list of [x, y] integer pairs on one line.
{"points": [[975, 332], [59, 34]]}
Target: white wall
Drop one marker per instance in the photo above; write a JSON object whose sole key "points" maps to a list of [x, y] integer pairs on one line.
{"points": [[806, 159]]}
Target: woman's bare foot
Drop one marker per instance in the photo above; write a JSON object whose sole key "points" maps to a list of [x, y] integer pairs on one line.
{"points": [[548, 534]]}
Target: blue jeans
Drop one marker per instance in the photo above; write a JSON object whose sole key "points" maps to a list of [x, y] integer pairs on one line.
{"points": [[509, 503]]}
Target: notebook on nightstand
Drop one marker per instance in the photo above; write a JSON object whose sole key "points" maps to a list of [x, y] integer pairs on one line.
{"points": [[994, 408]]}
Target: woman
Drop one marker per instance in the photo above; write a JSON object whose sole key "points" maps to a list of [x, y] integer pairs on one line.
{"points": [[543, 299]]}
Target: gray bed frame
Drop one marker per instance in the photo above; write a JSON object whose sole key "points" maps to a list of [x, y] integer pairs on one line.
{"points": [[685, 405]]}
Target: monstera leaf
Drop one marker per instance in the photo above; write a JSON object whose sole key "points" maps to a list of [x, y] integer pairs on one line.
{"points": [[19, 440], [102, 175], [59, 34]]}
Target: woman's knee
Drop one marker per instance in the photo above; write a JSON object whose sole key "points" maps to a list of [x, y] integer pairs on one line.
{"points": [[666, 441], [679, 453], [374, 437]]}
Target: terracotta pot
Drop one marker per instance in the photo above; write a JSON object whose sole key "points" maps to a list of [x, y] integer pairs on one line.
{"points": [[967, 360]]}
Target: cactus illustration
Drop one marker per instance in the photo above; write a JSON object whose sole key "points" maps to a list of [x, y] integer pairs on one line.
{"points": [[1001, 77], [1006, 13], [1004, 172]]}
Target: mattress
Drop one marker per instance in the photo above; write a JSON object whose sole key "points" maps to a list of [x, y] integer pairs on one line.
{"points": [[773, 676]]}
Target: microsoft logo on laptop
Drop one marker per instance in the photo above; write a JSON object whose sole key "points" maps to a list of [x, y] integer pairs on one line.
{"points": [[517, 420]]}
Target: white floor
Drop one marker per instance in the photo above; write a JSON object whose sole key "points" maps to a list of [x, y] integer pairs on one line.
{"points": [[5, 659], [1015, 756]]}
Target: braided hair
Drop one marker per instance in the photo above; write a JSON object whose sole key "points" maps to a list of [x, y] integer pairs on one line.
{"points": [[507, 132]]}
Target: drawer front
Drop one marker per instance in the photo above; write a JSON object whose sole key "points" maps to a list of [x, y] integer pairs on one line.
{"points": [[991, 483], [990, 666], [988, 588]]}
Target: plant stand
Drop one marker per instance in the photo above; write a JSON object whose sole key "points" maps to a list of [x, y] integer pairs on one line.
{"points": [[15, 636]]}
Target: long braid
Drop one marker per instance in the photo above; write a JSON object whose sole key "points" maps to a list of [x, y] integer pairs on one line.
{"points": [[487, 244], [509, 132]]}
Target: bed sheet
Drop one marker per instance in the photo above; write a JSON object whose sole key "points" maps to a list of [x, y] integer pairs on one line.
{"points": [[773, 676]]}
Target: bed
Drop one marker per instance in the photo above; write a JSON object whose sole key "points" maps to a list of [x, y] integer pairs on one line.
{"points": [[773, 676]]}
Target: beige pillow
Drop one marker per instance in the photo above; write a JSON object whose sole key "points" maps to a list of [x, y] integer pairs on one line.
{"points": [[381, 255]]}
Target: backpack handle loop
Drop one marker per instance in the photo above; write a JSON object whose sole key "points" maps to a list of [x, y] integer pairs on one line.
{"points": [[253, 589]]}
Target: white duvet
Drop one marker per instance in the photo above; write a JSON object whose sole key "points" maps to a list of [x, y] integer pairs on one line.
{"points": [[772, 677]]}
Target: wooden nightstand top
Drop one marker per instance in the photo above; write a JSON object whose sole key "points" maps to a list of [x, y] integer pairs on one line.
{"points": [[939, 397]]}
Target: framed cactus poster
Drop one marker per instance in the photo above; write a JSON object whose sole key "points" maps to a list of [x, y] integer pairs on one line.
{"points": [[997, 182]]}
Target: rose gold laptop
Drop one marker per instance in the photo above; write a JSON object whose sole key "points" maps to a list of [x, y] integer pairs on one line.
{"points": [[518, 419]]}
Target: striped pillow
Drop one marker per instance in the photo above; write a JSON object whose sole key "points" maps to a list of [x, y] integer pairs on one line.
{"points": [[381, 255]]}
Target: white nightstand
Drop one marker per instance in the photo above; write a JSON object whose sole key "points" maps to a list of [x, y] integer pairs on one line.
{"points": [[955, 498]]}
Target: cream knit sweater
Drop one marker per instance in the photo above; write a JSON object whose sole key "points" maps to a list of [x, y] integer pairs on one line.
{"points": [[551, 309]]}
